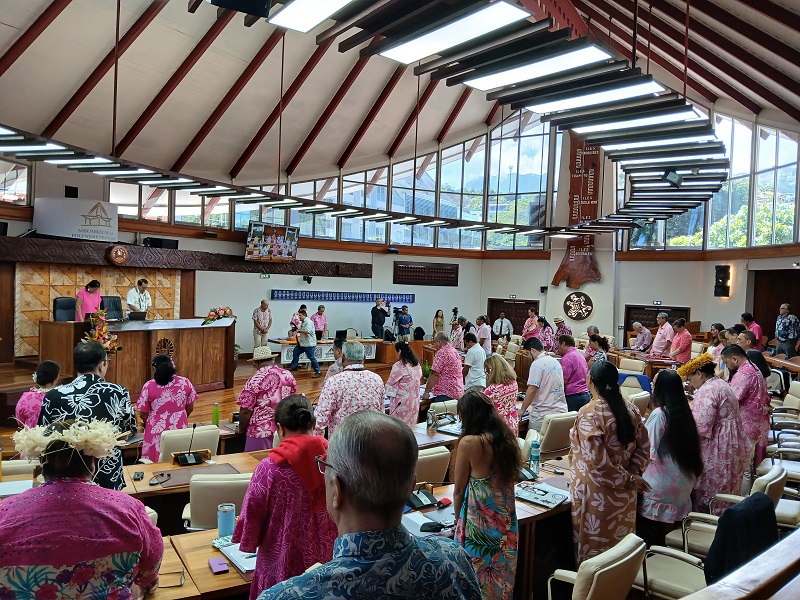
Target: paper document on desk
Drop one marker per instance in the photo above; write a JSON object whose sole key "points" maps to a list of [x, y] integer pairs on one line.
{"points": [[244, 561], [12, 488], [413, 521], [541, 493]]}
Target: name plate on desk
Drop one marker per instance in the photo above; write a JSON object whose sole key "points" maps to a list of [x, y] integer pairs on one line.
{"points": [[322, 352]]}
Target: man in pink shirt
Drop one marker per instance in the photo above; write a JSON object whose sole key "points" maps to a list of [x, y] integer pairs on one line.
{"points": [[575, 370], [749, 322], [445, 380], [320, 322], [664, 335]]}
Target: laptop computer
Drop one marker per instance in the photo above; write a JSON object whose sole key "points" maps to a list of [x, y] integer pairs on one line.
{"points": [[341, 334], [137, 315]]}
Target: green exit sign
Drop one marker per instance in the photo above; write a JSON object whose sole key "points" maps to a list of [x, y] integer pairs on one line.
{"points": [[265, 275]]}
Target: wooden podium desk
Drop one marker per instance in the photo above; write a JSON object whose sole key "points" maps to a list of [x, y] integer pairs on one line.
{"points": [[203, 353]]}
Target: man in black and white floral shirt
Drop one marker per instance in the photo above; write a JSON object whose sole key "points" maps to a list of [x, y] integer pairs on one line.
{"points": [[89, 397]]}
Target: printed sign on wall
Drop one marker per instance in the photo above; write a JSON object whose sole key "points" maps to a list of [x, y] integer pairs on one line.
{"points": [[76, 218]]}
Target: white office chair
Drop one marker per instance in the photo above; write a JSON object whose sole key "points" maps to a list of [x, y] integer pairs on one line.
{"points": [[152, 514], [19, 467], [206, 437], [630, 386], [511, 354], [516, 339], [697, 349], [206, 492], [553, 437], [642, 402], [631, 365], [432, 464]]}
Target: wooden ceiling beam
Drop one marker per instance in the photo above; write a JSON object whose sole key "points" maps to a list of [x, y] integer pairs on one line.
{"points": [[372, 115], [492, 113], [775, 11], [252, 68], [23, 42], [563, 12], [448, 124], [125, 42], [415, 112], [273, 117], [174, 81], [327, 113]]}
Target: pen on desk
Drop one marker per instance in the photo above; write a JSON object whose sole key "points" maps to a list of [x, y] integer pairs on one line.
{"points": [[250, 555]]}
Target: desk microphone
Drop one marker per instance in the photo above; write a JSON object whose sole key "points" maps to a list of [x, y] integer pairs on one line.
{"points": [[189, 458]]}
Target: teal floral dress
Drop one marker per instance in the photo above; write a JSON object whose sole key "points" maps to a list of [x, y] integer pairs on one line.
{"points": [[487, 529]]}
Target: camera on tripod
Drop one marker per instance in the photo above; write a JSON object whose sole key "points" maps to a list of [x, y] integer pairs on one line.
{"points": [[455, 313]]}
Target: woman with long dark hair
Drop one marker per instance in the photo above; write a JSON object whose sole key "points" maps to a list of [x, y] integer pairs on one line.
{"points": [[165, 402], [487, 466], [402, 387], [600, 348], [438, 321], [546, 334], [610, 451], [675, 461]]}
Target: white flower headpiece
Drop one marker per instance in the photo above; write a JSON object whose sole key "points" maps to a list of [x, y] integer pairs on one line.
{"points": [[95, 438]]}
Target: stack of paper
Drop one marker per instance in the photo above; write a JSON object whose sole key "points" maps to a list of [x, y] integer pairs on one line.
{"points": [[244, 561], [541, 493]]}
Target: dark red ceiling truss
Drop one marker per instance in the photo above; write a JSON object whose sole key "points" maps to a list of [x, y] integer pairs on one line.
{"points": [[415, 112], [24, 41], [448, 124], [197, 52], [563, 12]]}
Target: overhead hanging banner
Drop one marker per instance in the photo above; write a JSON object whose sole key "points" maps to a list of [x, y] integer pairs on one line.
{"points": [[75, 218], [579, 264]]}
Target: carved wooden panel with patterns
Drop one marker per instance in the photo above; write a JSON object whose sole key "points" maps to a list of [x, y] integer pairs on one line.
{"points": [[417, 273]]}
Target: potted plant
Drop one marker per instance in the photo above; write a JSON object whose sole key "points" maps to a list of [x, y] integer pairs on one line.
{"points": [[237, 349], [426, 371]]}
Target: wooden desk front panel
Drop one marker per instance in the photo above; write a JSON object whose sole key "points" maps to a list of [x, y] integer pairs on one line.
{"points": [[57, 341]]}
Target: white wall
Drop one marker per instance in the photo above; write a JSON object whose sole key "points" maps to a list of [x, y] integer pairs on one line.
{"points": [[49, 182]]}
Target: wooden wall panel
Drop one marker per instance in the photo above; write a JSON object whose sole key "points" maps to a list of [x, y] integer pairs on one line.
{"points": [[6, 310], [773, 288], [213, 362], [188, 293]]}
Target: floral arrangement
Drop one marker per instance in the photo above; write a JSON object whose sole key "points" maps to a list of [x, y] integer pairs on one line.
{"points": [[96, 438], [221, 312], [99, 333]]}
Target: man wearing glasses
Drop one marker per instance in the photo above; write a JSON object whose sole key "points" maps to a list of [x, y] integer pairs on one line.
{"points": [[370, 471]]}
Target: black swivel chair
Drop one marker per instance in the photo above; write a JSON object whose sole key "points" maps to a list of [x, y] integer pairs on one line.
{"points": [[64, 309], [113, 307]]}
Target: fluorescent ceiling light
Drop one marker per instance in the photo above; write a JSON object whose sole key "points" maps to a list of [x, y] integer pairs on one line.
{"points": [[216, 188], [246, 196], [655, 184], [304, 15], [688, 115], [30, 148], [541, 68], [615, 95], [78, 161], [124, 172], [4, 131], [677, 193], [157, 182], [696, 182], [481, 22], [343, 212], [704, 171], [655, 143], [505, 230], [375, 217], [668, 159], [646, 174], [532, 232], [565, 236]]}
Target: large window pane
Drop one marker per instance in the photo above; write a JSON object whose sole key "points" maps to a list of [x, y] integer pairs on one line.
{"points": [[737, 226], [352, 230], [243, 214], [474, 165], [785, 202], [126, 197], [304, 221], [650, 234], [686, 230], [787, 148], [767, 148], [765, 198], [155, 204], [742, 154], [14, 183], [216, 212]]}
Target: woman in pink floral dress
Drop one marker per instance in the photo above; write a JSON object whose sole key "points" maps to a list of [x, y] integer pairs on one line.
{"points": [[261, 394], [546, 334], [531, 327], [723, 440], [502, 389], [30, 403], [402, 387], [165, 403]]}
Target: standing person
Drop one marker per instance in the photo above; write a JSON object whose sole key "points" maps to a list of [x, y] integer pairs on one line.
{"points": [[590, 350], [29, 404], [748, 382], [336, 366], [262, 321], [599, 347], [445, 380], [484, 334], [561, 328], [502, 389], [531, 327], [467, 327], [749, 322], [787, 330], [609, 452], [747, 340], [716, 345], [675, 461], [473, 372], [283, 512], [297, 318], [575, 370], [350, 391], [456, 335], [546, 334], [379, 313], [545, 393], [402, 387], [89, 397], [487, 467], [257, 402], [369, 474], [644, 338], [320, 322], [502, 327], [69, 538], [404, 325], [723, 441], [87, 300], [438, 322], [663, 340], [306, 341], [681, 348], [165, 403], [138, 298]]}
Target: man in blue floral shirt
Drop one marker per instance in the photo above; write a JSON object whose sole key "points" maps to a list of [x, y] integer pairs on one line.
{"points": [[787, 329], [369, 474], [90, 397]]}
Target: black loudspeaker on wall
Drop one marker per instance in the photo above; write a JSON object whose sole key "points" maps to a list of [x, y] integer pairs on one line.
{"points": [[154, 242], [3, 228], [722, 277]]}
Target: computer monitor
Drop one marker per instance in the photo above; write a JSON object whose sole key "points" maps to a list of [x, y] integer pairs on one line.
{"points": [[341, 334], [137, 315]]}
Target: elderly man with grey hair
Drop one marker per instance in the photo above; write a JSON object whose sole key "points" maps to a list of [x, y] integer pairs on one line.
{"points": [[644, 339], [369, 474], [588, 352], [664, 335], [350, 391]]}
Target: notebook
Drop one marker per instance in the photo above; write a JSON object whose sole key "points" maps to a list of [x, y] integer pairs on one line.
{"points": [[244, 561], [541, 493]]}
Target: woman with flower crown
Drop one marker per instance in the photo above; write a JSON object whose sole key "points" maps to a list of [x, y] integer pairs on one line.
{"points": [[70, 538]]}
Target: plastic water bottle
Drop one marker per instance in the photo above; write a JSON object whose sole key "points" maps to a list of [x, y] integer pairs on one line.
{"points": [[534, 458], [431, 420], [215, 414]]}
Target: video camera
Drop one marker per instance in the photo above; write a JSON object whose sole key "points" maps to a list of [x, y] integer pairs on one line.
{"points": [[455, 313]]}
